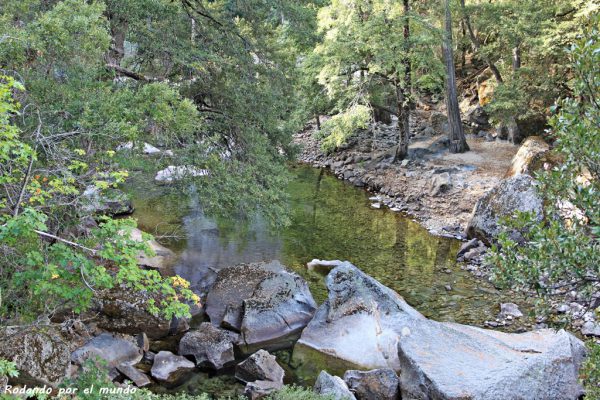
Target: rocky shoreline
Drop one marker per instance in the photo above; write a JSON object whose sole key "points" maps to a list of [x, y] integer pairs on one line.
{"points": [[453, 195], [380, 347]]}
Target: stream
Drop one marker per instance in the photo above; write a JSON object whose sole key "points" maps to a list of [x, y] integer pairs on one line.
{"points": [[330, 219]]}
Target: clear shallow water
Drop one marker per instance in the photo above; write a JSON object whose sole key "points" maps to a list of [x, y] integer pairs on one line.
{"points": [[329, 220]]}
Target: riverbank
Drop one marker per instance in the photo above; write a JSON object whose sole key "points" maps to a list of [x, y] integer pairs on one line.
{"points": [[434, 187]]}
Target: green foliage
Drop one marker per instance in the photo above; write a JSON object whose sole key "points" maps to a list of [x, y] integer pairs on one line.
{"points": [[298, 393], [40, 276], [590, 372], [342, 126], [562, 252], [8, 369], [538, 31]]}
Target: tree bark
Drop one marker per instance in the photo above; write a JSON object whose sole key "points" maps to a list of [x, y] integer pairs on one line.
{"points": [[458, 143], [118, 31], [403, 91], [514, 133]]}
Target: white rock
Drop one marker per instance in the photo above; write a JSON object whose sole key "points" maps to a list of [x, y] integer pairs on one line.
{"points": [[149, 149], [173, 173]]}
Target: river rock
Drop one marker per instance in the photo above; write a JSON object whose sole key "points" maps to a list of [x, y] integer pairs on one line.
{"points": [[359, 322], [110, 201], [112, 349], [125, 310], [268, 305], [525, 160], [209, 345], [590, 328], [163, 257], [42, 354], [439, 122], [170, 369], [517, 193], [440, 183], [450, 361], [377, 384], [261, 389], [510, 309], [174, 173], [136, 376], [332, 386], [465, 247], [260, 366], [370, 326]]}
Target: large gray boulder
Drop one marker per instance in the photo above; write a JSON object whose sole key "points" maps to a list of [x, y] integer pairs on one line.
{"points": [[376, 384], [210, 346], [517, 193], [360, 322], [41, 354], [110, 348], [333, 387], [452, 361], [170, 369], [111, 201], [368, 325], [124, 310], [268, 305], [260, 366]]}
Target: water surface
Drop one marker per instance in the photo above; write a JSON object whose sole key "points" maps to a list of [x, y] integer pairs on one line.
{"points": [[329, 220]]}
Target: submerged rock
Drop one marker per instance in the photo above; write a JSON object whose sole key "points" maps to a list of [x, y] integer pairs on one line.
{"points": [[260, 366], [268, 305], [170, 369], [210, 346], [517, 193], [332, 386], [163, 257], [368, 325], [377, 384]]}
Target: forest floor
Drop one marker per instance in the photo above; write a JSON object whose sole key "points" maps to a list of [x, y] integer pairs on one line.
{"points": [[433, 186]]}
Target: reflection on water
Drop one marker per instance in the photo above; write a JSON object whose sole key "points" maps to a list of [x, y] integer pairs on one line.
{"points": [[330, 220]]}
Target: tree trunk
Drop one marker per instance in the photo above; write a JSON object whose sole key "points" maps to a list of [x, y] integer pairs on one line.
{"points": [[516, 58], [463, 50], [458, 143], [318, 119], [403, 91], [514, 133], [118, 31]]}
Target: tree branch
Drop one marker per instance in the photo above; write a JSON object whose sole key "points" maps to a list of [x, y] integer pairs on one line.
{"points": [[127, 72]]}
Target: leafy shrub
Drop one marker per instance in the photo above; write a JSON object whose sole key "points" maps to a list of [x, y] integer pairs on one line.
{"points": [[338, 129]]}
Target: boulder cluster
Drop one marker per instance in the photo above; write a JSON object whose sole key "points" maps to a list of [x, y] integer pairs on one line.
{"points": [[364, 342]]}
